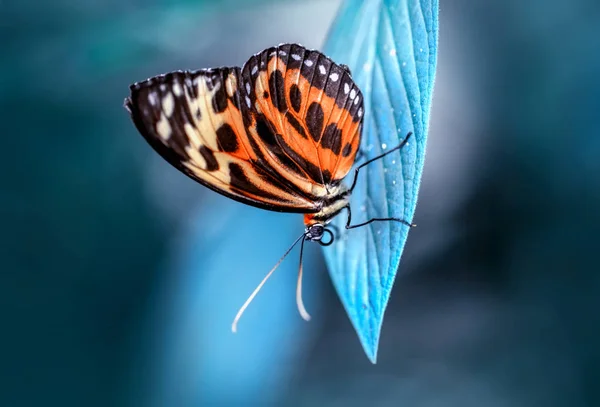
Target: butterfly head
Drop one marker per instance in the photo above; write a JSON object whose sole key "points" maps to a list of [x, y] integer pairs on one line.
{"points": [[317, 232]]}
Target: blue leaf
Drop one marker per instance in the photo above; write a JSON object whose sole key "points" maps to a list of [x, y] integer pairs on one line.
{"points": [[391, 48]]}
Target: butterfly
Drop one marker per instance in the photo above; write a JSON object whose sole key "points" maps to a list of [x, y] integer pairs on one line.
{"points": [[280, 133]]}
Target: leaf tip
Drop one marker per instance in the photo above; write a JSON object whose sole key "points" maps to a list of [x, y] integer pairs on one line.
{"points": [[372, 356], [369, 339]]}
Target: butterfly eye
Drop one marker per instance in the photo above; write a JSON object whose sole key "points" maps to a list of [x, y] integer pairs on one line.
{"points": [[315, 232]]}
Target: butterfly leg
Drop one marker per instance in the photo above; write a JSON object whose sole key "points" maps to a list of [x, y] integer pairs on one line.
{"points": [[336, 231], [349, 226], [398, 147]]}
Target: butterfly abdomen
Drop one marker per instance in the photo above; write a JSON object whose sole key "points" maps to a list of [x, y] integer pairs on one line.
{"points": [[332, 205]]}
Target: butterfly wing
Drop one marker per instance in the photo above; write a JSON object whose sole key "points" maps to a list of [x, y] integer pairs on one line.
{"points": [[198, 122], [312, 106]]}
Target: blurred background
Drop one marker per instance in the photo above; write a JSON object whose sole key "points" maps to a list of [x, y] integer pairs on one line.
{"points": [[120, 276]]}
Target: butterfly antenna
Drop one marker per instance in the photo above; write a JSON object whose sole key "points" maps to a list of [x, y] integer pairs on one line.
{"points": [[303, 313], [257, 289]]}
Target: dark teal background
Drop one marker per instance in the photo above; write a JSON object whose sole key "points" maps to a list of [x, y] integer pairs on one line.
{"points": [[498, 304]]}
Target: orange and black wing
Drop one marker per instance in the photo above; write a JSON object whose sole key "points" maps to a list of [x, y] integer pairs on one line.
{"points": [[198, 122], [313, 110]]}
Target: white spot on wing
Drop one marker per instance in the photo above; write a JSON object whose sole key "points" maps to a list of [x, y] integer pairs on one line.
{"points": [[230, 85], [177, 89], [360, 112], [254, 69], [168, 104], [308, 62], [356, 100], [247, 88], [296, 57], [153, 98], [248, 102], [322, 70], [346, 88], [163, 128], [334, 76], [352, 94]]}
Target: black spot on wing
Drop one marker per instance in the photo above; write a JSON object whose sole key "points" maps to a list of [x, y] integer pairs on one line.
{"points": [[211, 161], [295, 97], [264, 131], [314, 120], [295, 124], [276, 87], [332, 138], [347, 150], [227, 139]]}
